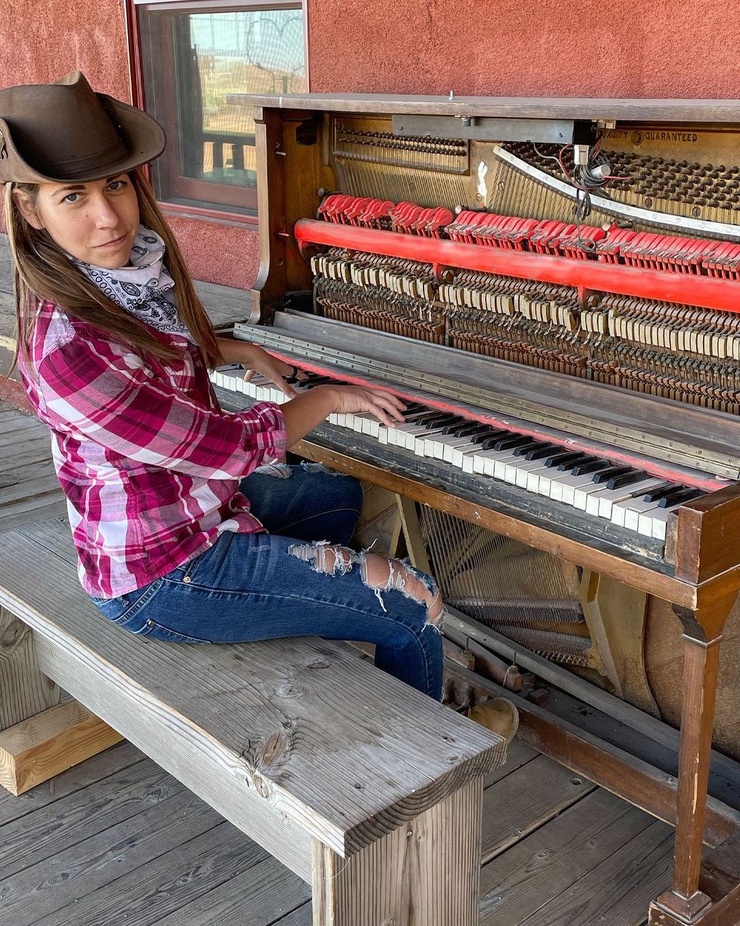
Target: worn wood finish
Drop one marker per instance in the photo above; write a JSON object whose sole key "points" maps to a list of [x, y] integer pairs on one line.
{"points": [[46, 744], [634, 572], [427, 871], [705, 541], [24, 691], [612, 768], [505, 107], [117, 839], [528, 879], [259, 729]]}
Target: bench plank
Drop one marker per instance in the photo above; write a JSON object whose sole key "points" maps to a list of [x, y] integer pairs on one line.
{"points": [[288, 739], [425, 872]]}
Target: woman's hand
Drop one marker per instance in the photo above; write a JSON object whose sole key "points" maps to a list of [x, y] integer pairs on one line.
{"points": [[313, 406], [385, 406], [256, 360]]}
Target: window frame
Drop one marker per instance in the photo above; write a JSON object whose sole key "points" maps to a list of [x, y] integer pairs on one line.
{"points": [[132, 10]]}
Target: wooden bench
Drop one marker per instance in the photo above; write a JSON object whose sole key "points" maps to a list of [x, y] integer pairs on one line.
{"points": [[365, 788]]}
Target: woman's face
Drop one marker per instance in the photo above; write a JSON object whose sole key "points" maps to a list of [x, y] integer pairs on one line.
{"points": [[96, 222]]}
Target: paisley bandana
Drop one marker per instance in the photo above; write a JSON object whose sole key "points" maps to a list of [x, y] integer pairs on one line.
{"points": [[145, 289]]}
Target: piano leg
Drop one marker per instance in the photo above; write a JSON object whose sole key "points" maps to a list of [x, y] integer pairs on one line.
{"points": [[685, 903]]}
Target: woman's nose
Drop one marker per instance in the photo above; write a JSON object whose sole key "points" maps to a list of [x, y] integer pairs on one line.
{"points": [[105, 215]]}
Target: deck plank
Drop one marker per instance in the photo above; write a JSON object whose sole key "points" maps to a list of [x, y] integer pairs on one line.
{"points": [[519, 882], [69, 821], [74, 780], [617, 892], [523, 801], [164, 884], [123, 853], [257, 897]]}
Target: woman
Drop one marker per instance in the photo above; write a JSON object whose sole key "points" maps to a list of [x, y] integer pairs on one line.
{"points": [[183, 529]]}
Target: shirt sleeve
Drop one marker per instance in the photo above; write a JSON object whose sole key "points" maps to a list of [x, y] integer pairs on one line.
{"points": [[105, 392]]}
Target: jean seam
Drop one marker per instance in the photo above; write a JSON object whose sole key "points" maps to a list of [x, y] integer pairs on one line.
{"points": [[415, 632], [134, 609]]}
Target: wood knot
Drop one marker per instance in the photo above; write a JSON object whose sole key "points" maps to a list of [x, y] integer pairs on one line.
{"points": [[261, 786], [318, 664]]}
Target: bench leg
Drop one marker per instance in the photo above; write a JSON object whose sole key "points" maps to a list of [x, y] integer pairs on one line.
{"points": [[426, 873], [40, 735], [24, 691]]}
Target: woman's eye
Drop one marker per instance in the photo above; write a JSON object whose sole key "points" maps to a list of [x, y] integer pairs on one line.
{"points": [[71, 198], [115, 185]]}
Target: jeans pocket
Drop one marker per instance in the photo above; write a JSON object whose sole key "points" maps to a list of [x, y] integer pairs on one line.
{"points": [[126, 610]]}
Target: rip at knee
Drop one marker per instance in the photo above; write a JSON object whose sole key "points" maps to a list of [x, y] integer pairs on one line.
{"points": [[384, 575], [331, 559]]}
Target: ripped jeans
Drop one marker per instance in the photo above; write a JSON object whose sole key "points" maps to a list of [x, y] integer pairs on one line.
{"points": [[299, 579]]}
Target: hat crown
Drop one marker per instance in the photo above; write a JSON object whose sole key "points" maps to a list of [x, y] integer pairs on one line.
{"points": [[65, 131]]}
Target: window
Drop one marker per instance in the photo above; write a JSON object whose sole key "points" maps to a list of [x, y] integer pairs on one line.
{"points": [[192, 56]]}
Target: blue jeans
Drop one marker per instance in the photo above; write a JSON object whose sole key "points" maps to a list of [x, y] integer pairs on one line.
{"points": [[299, 579]]}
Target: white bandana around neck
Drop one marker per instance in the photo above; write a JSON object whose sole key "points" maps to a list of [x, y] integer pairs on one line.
{"points": [[145, 289]]}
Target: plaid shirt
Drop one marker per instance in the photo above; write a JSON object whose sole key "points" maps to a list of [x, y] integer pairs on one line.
{"points": [[148, 461]]}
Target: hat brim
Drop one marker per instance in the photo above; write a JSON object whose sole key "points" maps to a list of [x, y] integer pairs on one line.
{"points": [[143, 137]]}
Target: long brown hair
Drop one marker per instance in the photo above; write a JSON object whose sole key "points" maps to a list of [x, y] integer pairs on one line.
{"points": [[41, 269]]}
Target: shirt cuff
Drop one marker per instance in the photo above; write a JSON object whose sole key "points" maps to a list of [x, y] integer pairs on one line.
{"points": [[271, 438]]}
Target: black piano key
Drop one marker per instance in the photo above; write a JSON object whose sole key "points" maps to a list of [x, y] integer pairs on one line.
{"points": [[511, 442], [561, 456], [604, 475], [569, 461], [626, 479], [590, 466], [482, 432], [468, 427], [526, 448], [417, 416], [456, 422], [678, 498], [436, 420], [486, 439], [668, 488], [541, 453]]}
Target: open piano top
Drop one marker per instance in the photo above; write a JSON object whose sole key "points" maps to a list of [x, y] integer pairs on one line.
{"points": [[458, 252]]}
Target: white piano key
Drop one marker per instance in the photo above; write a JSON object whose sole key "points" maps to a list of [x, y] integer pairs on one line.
{"points": [[581, 494], [652, 523], [610, 496], [564, 485], [451, 444], [627, 513]]}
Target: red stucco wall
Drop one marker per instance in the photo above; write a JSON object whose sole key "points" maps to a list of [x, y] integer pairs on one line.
{"points": [[653, 48], [40, 40], [499, 47]]}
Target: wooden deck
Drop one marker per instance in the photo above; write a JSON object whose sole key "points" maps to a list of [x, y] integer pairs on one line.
{"points": [[117, 840]]}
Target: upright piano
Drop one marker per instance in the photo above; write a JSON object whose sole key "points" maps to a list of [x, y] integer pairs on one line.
{"points": [[553, 286]]}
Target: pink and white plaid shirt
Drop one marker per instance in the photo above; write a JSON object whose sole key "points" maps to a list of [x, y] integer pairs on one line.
{"points": [[148, 461]]}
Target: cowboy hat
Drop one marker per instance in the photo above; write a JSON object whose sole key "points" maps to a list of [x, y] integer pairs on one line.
{"points": [[66, 132]]}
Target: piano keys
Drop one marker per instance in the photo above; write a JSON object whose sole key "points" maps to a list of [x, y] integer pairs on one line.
{"points": [[595, 485]]}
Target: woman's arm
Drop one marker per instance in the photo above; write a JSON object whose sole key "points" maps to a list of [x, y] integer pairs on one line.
{"points": [[256, 360], [304, 412]]}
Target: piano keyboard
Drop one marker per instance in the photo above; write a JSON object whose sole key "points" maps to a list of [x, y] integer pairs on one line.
{"points": [[622, 495]]}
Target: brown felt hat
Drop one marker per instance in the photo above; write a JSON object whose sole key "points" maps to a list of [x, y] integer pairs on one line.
{"points": [[66, 132]]}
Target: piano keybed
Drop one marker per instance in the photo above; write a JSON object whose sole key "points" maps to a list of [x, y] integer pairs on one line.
{"points": [[618, 494]]}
